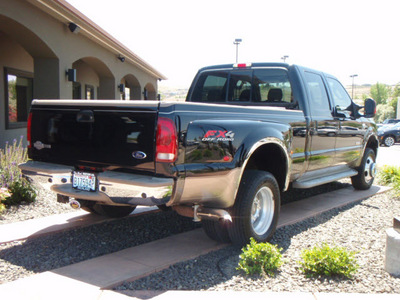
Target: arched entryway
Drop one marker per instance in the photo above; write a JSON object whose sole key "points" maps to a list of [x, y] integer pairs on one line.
{"points": [[130, 88], [30, 70], [150, 92], [94, 80]]}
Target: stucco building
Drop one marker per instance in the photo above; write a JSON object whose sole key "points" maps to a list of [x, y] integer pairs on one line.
{"points": [[49, 50]]}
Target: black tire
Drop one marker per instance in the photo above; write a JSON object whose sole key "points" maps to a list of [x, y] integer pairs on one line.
{"points": [[366, 172], [216, 230], [248, 218], [389, 141], [112, 211], [163, 207]]}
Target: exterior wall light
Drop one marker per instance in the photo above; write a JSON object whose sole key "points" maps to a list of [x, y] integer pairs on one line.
{"points": [[71, 74], [74, 28], [121, 58]]}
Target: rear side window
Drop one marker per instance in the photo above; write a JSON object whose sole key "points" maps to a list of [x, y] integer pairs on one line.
{"points": [[272, 86], [268, 86], [211, 87]]}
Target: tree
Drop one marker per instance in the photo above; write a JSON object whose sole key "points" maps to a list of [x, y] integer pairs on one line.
{"points": [[396, 95], [383, 112], [380, 92]]}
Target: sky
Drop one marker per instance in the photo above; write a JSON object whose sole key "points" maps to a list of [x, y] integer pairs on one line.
{"points": [[177, 37]]}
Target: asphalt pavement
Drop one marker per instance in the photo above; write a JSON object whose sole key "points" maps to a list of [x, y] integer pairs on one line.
{"points": [[389, 156]]}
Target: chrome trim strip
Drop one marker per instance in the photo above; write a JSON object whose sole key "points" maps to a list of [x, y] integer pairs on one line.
{"points": [[312, 182], [115, 188]]}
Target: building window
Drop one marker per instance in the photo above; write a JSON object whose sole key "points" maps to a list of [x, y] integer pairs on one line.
{"points": [[89, 94], [18, 95]]}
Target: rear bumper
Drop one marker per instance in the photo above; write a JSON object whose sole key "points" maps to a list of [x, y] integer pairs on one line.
{"points": [[115, 188]]}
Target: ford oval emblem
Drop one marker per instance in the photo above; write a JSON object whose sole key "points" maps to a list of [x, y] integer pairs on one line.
{"points": [[139, 155]]}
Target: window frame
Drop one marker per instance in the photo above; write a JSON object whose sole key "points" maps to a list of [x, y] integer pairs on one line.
{"points": [[18, 73]]}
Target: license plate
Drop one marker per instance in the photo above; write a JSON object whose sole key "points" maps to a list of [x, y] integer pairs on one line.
{"points": [[84, 181]]}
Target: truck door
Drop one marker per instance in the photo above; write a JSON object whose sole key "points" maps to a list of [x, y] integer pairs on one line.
{"points": [[351, 132], [324, 127]]}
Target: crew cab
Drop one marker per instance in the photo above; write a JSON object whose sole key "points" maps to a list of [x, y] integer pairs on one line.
{"points": [[245, 133]]}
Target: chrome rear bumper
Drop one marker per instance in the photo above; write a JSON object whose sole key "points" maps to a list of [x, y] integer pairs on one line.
{"points": [[114, 188]]}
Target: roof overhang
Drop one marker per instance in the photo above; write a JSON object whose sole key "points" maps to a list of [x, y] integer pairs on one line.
{"points": [[66, 13]]}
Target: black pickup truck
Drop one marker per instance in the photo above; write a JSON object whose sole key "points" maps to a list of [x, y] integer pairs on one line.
{"points": [[245, 133]]}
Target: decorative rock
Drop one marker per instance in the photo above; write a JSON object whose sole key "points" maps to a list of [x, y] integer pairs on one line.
{"points": [[392, 255]]}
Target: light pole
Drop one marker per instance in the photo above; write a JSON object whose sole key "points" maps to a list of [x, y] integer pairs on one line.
{"points": [[352, 85], [237, 42], [284, 58]]}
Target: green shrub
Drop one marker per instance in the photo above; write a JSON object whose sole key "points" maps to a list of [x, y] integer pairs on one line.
{"points": [[21, 192], [260, 258], [328, 261], [4, 193], [11, 177], [390, 175]]}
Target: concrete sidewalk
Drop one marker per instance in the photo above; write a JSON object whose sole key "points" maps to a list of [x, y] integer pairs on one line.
{"points": [[55, 223], [85, 280]]}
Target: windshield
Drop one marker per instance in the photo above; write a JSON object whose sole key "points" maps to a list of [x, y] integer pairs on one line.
{"points": [[269, 86]]}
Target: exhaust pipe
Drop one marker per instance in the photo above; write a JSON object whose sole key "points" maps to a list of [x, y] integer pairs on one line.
{"points": [[199, 213], [215, 214], [74, 203]]}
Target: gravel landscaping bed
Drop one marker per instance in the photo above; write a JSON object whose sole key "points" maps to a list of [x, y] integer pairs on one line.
{"points": [[45, 205], [366, 220], [358, 227]]}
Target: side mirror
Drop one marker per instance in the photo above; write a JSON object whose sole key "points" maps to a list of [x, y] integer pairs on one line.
{"points": [[369, 108], [340, 113]]}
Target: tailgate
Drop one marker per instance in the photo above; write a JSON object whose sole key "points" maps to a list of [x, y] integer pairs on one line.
{"points": [[107, 134]]}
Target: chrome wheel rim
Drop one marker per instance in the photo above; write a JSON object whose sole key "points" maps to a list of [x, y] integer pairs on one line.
{"points": [[262, 211], [369, 169], [389, 141]]}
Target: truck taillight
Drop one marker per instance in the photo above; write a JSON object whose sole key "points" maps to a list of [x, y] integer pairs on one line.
{"points": [[241, 65], [166, 141], [28, 131]]}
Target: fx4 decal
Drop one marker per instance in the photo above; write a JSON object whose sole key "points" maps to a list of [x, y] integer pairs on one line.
{"points": [[218, 135]]}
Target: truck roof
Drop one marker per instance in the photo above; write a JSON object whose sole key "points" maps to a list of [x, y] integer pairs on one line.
{"points": [[262, 64]]}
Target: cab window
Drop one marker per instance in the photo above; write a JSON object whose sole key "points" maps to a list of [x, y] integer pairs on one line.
{"points": [[319, 101], [340, 96], [261, 86], [211, 87]]}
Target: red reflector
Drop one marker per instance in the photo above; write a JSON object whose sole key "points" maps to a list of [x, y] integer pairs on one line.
{"points": [[166, 141], [28, 131]]}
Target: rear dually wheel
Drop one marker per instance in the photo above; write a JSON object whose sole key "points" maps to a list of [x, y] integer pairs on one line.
{"points": [[256, 209]]}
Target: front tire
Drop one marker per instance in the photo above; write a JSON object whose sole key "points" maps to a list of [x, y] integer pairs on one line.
{"points": [[256, 209], [366, 172]]}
